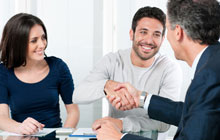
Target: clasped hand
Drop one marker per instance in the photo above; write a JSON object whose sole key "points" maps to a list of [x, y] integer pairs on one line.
{"points": [[123, 96]]}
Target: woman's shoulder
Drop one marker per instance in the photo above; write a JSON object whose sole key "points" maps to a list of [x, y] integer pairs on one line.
{"points": [[3, 69], [3, 72], [55, 62], [52, 60]]}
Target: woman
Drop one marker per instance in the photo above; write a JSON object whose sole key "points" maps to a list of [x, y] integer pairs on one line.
{"points": [[30, 83]]}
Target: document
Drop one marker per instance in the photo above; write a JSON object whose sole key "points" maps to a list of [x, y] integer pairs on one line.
{"points": [[84, 132], [41, 133]]}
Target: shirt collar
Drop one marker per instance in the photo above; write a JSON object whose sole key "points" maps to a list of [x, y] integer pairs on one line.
{"points": [[195, 62]]}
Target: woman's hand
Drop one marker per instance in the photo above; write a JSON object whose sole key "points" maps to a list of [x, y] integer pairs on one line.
{"points": [[29, 126], [21, 138]]}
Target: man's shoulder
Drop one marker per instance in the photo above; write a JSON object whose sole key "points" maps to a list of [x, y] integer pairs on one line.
{"points": [[120, 52], [120, 55], [166, 61]]}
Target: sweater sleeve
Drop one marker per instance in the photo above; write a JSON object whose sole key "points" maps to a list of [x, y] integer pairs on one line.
{"points": [[142, 123], [171, 82], [92, 87]]}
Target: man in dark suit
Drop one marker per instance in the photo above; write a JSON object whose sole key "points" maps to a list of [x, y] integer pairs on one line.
{"points": [[193, 32]]}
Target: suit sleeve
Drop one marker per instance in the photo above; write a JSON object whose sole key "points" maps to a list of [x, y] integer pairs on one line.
{"points": [[165, 110], [92, 87]]}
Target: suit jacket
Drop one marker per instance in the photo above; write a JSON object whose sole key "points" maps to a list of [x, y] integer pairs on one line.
{"points": [[198, 118]]}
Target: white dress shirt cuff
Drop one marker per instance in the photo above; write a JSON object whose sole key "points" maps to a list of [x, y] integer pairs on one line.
{"points": [[123, 135], [147, 102]]}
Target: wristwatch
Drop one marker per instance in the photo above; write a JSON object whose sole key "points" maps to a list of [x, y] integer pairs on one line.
{"points": [[142, 99]]}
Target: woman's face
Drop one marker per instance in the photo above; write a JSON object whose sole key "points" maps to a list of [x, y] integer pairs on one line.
{"points": [[36, 44]]}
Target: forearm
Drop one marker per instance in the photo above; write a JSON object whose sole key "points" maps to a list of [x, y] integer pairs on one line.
{"points": [[137, 124], [7, 124], [92, 87], [72, 118], [87, 92]]}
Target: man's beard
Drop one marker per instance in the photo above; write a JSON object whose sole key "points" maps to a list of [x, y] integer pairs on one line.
{"points": [[136, 50]]}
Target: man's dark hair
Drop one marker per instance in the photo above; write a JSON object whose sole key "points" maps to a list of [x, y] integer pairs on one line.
{"points": [[15, 39], [200, 19], [150, 12]]}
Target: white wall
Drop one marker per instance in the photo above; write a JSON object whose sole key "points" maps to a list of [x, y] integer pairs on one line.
{"points": [[73, 34]]}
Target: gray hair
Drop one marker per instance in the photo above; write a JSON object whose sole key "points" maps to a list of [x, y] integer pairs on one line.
{"points": [[198, 18]]}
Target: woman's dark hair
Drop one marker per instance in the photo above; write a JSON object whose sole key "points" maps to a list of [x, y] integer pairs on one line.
{"points": [[149, 12], [15, 39]]}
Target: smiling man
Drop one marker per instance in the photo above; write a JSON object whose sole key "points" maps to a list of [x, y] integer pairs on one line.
{"points": [[193, 32], [142, 66]]}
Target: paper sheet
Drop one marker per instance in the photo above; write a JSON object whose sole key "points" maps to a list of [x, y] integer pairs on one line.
{"points": [[43, 132]]}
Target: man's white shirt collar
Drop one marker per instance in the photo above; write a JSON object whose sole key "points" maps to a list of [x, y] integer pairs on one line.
{"points": [[196, 61]]}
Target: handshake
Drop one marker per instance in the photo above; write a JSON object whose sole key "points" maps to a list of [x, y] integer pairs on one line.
{"points": [[123, 96]]}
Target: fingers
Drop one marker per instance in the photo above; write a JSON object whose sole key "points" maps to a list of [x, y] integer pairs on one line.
{"points": [[119, 86], [132, 94], [118, 96], [111, 98], [130, 99], [123, 100], [126, 97], [30, 126], [36, 123], [108, 131], [30, 129], [96, 126], [115, 101]]}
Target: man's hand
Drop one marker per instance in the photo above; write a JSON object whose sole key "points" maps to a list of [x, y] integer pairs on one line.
{"points": [[97, 124], [121, 95], [109, 87], [108, 131], [134, 95]]}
